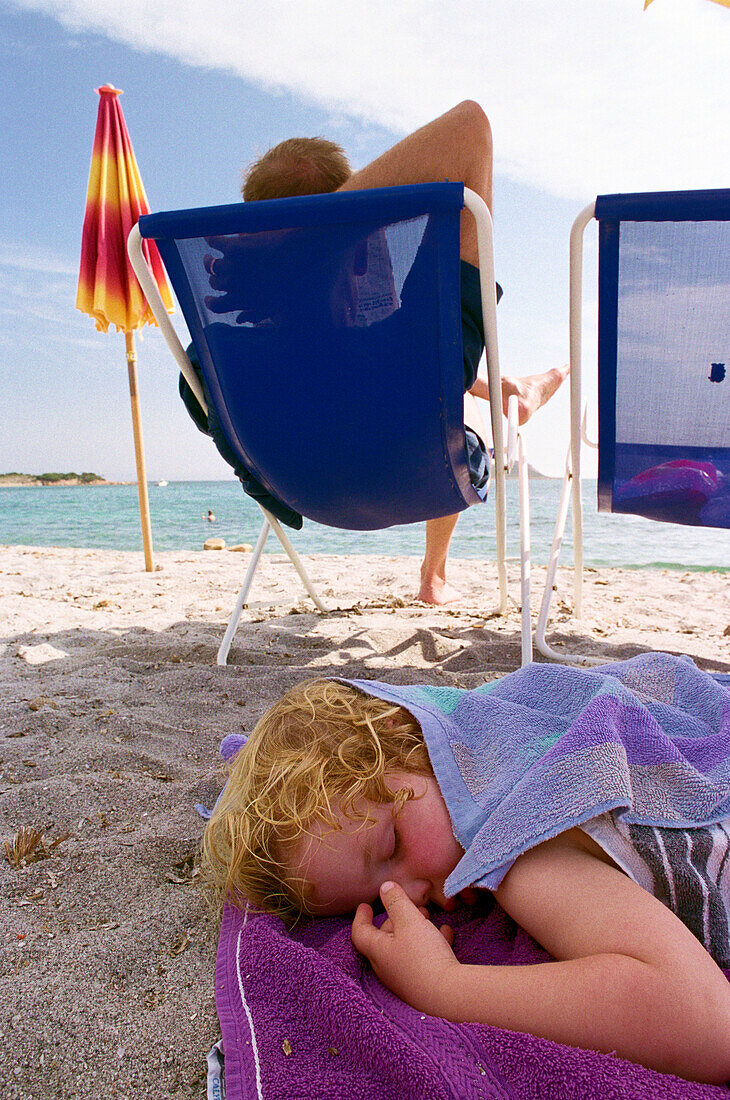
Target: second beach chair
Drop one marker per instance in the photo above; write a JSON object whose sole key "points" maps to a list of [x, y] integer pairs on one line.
{"points": [[663, 370]]}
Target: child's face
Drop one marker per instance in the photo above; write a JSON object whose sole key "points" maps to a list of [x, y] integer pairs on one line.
{"points": [[417, 849]]}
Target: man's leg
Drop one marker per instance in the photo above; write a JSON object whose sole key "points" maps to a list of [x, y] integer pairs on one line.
{"points": [[532, 391], [456, 146], [434, 587]]}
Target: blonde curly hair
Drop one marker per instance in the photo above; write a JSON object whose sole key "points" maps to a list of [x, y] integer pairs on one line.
{"points": [[324, 746]]}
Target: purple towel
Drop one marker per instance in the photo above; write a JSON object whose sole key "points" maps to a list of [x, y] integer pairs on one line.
{"points": [[304, 1018]]}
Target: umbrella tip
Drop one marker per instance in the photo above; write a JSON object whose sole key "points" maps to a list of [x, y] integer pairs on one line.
{"points": [[108, 89]]}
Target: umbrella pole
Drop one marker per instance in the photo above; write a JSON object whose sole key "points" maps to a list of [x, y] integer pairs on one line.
{"points": [[144, 503]]}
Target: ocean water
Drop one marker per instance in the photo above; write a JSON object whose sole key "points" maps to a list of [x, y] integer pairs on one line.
{"points": [[107, 517]]}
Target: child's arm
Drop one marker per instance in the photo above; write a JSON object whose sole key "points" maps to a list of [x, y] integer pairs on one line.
{"points": [[631, 977]]}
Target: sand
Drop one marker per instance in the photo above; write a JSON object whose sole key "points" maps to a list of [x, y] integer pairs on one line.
{"points": [[113, 710]]}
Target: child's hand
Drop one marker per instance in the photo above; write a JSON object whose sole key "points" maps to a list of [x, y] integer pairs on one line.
{"points": [[409, 954]]}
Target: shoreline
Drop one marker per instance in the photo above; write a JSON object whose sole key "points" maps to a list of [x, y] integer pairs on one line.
{"points": [[110, 521], [150, 481], [113, 713], [659, 566]]}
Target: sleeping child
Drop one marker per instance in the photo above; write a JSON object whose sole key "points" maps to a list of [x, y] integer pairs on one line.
{"points": [[594, 805]]}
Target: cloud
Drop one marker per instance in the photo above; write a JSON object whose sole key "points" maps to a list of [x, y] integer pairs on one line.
{"points": [[32, 258], [37, 300], [584, 95]]}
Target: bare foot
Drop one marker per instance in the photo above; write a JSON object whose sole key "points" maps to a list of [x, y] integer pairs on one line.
{"points": [[437, 592], [533, 391]]}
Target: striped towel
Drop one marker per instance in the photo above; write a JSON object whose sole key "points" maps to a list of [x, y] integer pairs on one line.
{"points": [[686, 869]]}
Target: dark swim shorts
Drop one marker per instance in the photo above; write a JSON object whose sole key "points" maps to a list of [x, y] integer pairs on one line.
{"points": [[472, 321], [472, 339], [472, 326]]}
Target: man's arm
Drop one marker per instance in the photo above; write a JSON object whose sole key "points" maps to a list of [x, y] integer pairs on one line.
{"points": [[628, 977]]}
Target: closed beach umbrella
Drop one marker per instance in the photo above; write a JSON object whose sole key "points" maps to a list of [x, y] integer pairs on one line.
{"points": [[108, 289]]}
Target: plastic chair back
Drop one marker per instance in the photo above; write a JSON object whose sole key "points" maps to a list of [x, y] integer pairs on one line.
{"points": [[328, 329], [664, 356]]}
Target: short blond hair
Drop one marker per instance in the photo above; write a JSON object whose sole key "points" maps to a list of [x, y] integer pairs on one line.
{"points": [[297, 166], [324, 745]]}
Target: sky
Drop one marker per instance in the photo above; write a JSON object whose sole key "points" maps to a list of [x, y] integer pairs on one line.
{"points": [[584, 97]]}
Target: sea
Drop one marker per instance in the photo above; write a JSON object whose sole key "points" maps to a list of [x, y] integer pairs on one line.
{"points": [[107, 517]]}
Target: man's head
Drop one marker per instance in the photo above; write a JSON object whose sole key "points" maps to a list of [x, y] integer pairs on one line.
{"points": [[297, 166]]}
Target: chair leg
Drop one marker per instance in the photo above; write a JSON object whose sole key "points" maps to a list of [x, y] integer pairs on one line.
{"points": [[500, 533], [525, 561], [577, 510], [542, 620], [483, 220], [270, 524], [222, 657], [294, 558]]}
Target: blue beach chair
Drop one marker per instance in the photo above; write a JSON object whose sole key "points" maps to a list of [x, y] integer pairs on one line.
{"points": [[663, 369], [329, 340]]}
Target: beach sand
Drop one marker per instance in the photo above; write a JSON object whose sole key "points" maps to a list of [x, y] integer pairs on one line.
{"points": [[107, 948]]}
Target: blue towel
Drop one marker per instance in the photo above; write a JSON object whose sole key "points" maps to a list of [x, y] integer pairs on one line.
{"points": [[548, 747]]}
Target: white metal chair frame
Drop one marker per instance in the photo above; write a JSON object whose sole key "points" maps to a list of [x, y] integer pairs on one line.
{"points": [[498, 467], [571, 481]]}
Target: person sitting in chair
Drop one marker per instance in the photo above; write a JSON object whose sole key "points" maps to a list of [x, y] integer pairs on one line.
{"points": [[456, 146]]}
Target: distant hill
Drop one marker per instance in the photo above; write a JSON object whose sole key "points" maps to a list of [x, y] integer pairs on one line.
{"points": [[53, 479]]}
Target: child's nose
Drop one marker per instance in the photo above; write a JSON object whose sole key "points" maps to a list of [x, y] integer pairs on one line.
{"points": [[418, 890]]}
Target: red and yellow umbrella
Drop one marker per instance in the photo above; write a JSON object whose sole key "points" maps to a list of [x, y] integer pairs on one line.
{"points": [[108, 289]]}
